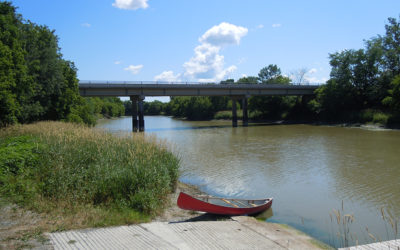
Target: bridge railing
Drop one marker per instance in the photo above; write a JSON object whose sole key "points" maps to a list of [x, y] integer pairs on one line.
{"points": [[180, 82]]}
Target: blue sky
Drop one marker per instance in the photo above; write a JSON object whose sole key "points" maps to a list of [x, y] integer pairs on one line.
{"points": [[182, 40]]}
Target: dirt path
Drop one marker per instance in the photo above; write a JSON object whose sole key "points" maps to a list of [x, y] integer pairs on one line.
{"points": [[21, 229]]}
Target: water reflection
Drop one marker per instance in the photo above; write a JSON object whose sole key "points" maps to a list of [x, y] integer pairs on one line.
{"points": [[309, 170]]}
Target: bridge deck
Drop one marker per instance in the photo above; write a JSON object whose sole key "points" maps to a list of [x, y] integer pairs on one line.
{"points": [[154, 89]]}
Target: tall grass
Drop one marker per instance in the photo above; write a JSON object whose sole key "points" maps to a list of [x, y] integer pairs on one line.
{"points": [[345, 235], [70, 165]]}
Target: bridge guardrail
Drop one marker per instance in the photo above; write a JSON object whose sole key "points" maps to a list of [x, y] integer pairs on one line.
{"points": [[186, 83]]}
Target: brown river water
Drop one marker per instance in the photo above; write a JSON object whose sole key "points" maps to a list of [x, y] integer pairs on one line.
{"points": [[309, 170]]}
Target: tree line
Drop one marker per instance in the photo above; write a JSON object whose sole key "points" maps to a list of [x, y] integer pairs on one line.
{"points": [[36, 83], [364, 86]]}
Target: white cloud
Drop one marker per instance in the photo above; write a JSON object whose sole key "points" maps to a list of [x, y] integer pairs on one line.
{"points": [[117, 62], [86, 25], [207, 64], [260, 26], [134, 69], [310, 78], [130, 4], [312, 71], [223, 34], [167, 76], [314, 80], [225, 73], [276, 25]]}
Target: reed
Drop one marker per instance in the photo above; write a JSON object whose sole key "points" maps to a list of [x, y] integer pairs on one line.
{"points": [[345, 236], [70, 165], [344, 222]]}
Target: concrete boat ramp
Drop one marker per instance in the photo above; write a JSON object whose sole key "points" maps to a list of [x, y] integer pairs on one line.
{"points": [[237, 233], [384, 245]]}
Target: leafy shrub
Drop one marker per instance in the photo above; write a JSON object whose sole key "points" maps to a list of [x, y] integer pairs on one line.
{"points": [[380, 118], [19, 158], [367, 115], [227, 115]]}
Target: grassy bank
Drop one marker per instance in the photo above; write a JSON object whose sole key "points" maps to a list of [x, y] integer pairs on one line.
{"points": [[81, 177]]}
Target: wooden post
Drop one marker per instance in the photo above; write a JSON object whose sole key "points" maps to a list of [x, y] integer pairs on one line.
{"points": [[245, 113], [234, 113], [141, 114], [134, 113]]}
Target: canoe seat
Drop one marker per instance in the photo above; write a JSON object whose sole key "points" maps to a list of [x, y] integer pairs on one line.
{"points": [[230, 203]]}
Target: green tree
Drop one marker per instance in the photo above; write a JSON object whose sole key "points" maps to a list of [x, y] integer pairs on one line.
{"points": [[36, 83], [153, 108], [333, 101], [393, 100], [193, 108], [271, 107], [12, 65], [228, 81], [46, 68], [391, 47], [361, 79], [248, 80], [272, 75], [269, 74]]}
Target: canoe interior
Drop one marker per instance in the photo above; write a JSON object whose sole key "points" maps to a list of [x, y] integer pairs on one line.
{"points": [[234, 203]]}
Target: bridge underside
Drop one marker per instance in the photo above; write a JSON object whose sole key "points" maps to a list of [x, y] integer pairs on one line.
{"points": [[238, 92]]}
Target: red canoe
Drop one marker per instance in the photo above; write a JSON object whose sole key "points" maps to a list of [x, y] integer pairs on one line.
{"points": [[224, 206]]}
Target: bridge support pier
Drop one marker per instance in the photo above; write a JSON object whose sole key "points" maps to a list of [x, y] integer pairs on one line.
{"points": [[245, 112], [137, 112], [134, 100], [141, 115], [244, 109], [234, 113]]}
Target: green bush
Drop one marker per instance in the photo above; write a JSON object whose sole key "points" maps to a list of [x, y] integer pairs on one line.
{"points": [[227, 115], [367, 115], [63, 162], [380, 118], [19, 159]]}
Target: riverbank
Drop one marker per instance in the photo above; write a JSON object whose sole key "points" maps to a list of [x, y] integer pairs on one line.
{"points": [[22, 228], [72, 176], [227, 116], [367, 125]]}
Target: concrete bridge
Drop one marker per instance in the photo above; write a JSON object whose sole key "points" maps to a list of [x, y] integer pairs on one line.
{"points": [[138, 90]]}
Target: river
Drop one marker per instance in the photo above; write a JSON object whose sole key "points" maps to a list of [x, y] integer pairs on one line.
{"points": [[309, 170]]}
